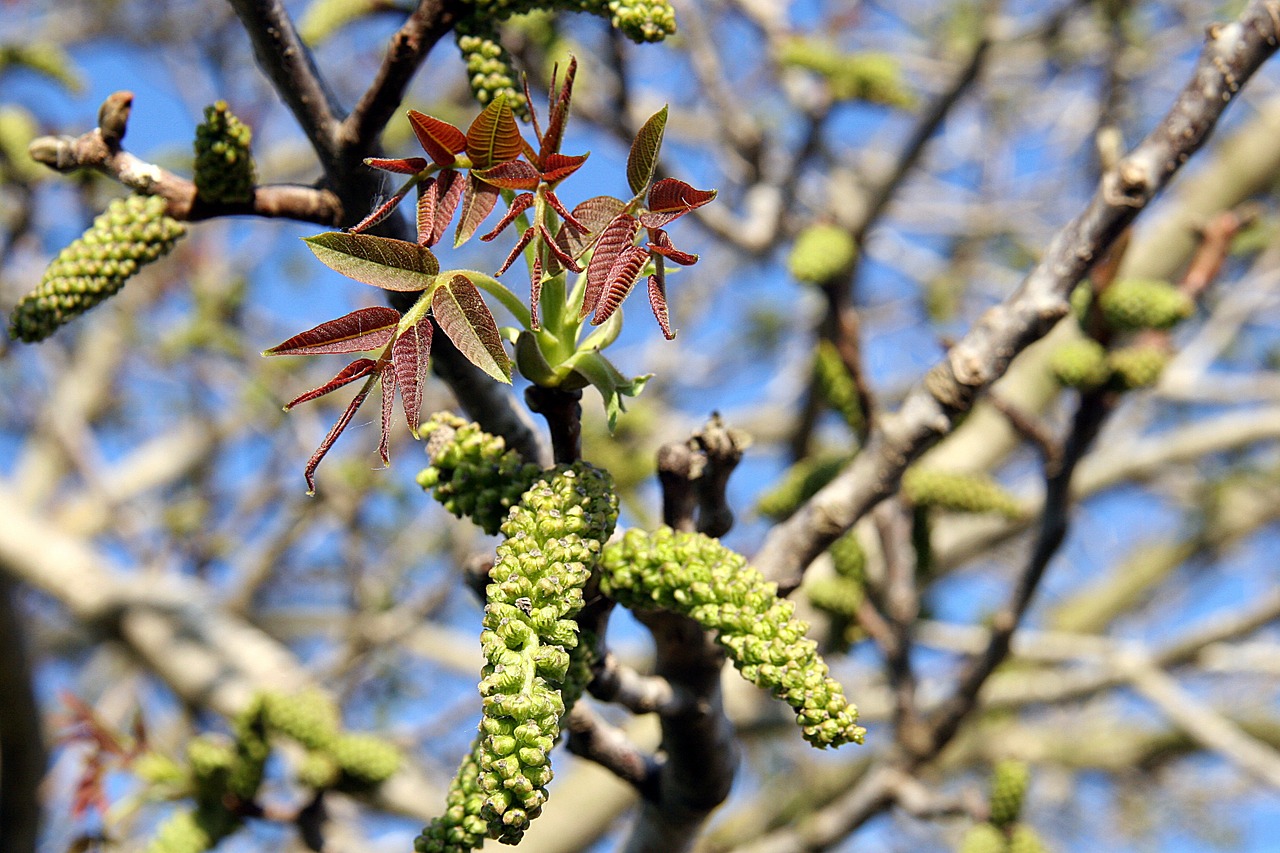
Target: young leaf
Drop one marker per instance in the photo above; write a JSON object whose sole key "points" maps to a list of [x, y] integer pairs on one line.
{"points": [[611, 384], [658, 302], [353, 371], [519, 205], [516, 250], [511, 175], [616, 238], [558, 113], [466, 319], [558, 206], [405, 166], [439, 139], [643, 158], [410, 355], [622, 277], [593, 214], [380, 261], [387, 378], [556, 167], [669, 199], [381, 212], [437, 200], [337, 428], [535, 290], [661, 245], [478, 201], [494, 136], [565, 259], [361, 330]]}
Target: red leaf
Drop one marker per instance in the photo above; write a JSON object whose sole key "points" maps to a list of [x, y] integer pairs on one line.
{"points": [[558, 112], [558, 206], [594, 214], [386, 378], [661, 245], [622, 277], [515, 253], [658, 302], [437, 201], [556, 167], [361, 330], [535, 290], [336, 430], [381, 212], [439, 139], [561, 255], [463, 316], [616, 238], [643, 157], [511, 175], [380, 261], [670, 198], [519, 205], [494, 136], [405, 166], [478, 201], [410, 355], [357, 369], [533, 113]]}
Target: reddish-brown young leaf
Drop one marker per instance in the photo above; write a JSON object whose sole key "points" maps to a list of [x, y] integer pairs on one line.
{"points": [[357, 369], [494, 136], [535, 291], [380, 212], [643, 157], [361, 330], [594, 214], [403, 166], [515, 252], [671, 198], [622, 277], [437, 200], [660, 244], [615, 239], [439, 139], [658, 302], [381, 261], [478, 201], [558, 166], [561, 255], [410, 355], [511, 175], [465, 318], [533, 116], [558, 108], [558, 206], [387, 379], [336, 430], [519, 205]]}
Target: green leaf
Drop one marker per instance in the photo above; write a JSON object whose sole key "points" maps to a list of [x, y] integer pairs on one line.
{"points": [[643, 159], [463, 316], [494, 136], [380, 261], [532, 363], [611, 384]]}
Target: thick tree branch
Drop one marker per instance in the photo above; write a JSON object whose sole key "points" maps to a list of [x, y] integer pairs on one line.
{"points": [[22, 753], [1233, 52]]}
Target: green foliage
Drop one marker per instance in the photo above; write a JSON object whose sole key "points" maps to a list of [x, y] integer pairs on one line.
{"points": [[958, 491], [1080, 364], [131, 233], [836, 385], [17, 128], [872, 77], [553, 537], [694, 575], [1130, 304], [799, 483], [471, 472], [1137, 366], [224, 172], [984, 838], [821, 253], [1009, 779]]}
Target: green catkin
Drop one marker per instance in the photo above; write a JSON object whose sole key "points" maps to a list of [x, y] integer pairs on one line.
{"points": [[1024, 839], [821, 253], [841, 595], [1131, 304], [45, 58], [193, 831], [1009, 779], [309, 717], [836, 385], [872, 77], [984, 838], [129, 234], [224, 171], [553, 538], [318, 770], [957, 491], [471, 472], [17, 128], [365, 760], [490, 69], [1080, 364], [694, 575], [799, 483], [1137, 366], [323, 18]]}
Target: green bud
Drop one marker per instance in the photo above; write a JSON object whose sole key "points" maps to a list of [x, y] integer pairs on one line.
{"points": [[1080, 364], [1143, 304], [821, 253], [1137, 366]]}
